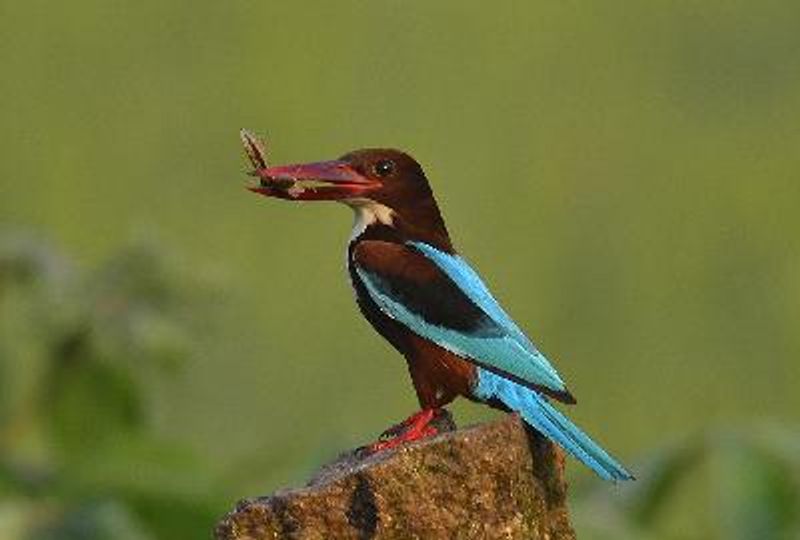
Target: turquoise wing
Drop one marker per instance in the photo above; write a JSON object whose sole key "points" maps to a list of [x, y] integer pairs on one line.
{"points": [[495, 342]]}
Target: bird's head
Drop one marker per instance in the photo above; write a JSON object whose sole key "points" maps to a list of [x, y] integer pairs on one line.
{"points": [[384, 187], [388, 177]]}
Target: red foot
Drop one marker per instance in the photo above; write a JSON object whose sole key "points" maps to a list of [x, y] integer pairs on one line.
{"points": [[422, 417], [413, 428]]}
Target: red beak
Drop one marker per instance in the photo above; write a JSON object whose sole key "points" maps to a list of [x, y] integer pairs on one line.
{"points": [[321, 181]]}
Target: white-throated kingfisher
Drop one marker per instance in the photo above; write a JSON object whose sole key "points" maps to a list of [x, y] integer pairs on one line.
{"points": [[422, 297]]}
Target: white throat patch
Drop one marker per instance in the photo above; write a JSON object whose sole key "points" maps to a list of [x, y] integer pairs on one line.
{"points": [[368, 212]]}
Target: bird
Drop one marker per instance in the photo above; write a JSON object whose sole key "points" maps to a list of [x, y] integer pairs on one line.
{"points": [[422, 296]]}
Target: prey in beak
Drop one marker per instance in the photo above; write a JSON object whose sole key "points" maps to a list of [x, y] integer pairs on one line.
{"points": [[320, 181]]}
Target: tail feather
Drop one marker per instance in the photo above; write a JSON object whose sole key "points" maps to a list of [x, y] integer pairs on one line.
{"points": [[540, 414]]}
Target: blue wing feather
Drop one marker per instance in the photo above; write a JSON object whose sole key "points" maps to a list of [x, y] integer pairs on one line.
{"points": [[473, 286], [507, 351]]}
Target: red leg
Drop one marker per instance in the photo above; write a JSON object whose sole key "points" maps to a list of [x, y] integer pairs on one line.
{"points": [[413, 428]]}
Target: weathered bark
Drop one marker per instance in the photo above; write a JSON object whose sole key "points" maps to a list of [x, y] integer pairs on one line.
{"points": [[495, 480]]}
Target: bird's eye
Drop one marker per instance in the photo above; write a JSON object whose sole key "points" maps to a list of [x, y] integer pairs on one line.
{"points": [[384, 167]]}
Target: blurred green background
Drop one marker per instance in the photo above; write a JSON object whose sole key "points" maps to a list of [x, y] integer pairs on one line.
{"points": [[625, 176]]}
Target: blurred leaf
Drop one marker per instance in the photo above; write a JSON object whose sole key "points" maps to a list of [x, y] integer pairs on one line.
{"points": [[25, 478], [753, 493], [133, 463], [26, 260], [660, 478], [93, 520], [783, 443], [753, 489], [89, 402], [76, 433], [169, 488], [172, 517], [16, 516]]}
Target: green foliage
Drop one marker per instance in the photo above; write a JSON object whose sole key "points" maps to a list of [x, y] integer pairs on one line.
{"points": [[741, 485], [80, 456]]}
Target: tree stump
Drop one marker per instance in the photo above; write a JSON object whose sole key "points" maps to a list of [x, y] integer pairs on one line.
{"points": [[494, 480]]}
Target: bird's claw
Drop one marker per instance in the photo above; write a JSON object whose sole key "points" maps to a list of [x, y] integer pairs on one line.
{"points": [[393, 431], [407, 436], [415, 427], [422, 417]]}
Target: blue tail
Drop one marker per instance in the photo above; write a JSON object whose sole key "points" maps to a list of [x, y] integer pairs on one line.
{"points": [[538, 413]]}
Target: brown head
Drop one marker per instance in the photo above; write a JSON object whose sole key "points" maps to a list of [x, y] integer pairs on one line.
{"points": [[385, 187]]}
